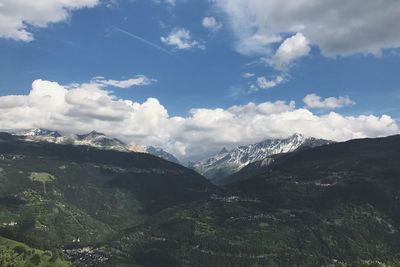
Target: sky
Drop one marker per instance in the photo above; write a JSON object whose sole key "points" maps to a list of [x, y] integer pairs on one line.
{"points": [[193, 76]]}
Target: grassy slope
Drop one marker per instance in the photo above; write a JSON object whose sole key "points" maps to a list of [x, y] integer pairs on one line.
{"points": [[16, 254]]}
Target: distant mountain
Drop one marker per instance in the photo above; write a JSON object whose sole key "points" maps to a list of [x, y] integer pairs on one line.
{"points": [[99, 140], [227, 162], [93, 139], [156, 151]]}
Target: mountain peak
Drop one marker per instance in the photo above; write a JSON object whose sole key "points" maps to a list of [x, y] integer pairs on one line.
{"points": [[95, 133], [298, 136], [223, 151], [92, 135]]}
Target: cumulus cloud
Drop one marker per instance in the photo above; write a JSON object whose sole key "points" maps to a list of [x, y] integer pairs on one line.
{"points": [[315, 101], [264, 83], [80, 108], [291, 49], [138, 80], [180, 38], [336, 27], [17, 16], [210, 23]]}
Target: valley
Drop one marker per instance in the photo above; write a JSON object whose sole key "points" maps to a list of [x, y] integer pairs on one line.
{"points": [[207, 133]]}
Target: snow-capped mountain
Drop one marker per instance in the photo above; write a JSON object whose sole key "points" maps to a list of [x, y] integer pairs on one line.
{"points": [[100, 140], [156, 151], [94, 139], [228, 162]]}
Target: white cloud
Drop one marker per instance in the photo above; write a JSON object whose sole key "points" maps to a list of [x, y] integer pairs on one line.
{"points": [[17, 16], [212, 24], [264, 83], [291, 49], [139, 80], [315, 101], [248, 75], [336, 27], [180, 38], [80, 108]]}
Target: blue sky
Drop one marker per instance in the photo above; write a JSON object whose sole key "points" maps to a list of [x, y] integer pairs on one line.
{"points": [[350, 78]]}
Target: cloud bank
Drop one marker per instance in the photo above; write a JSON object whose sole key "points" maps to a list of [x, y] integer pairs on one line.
{"points": [[17, 16], [80, 108]]}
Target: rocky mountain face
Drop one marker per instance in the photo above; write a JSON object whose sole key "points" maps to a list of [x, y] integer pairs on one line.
{"points": [[156, 151], [248, 171], [227, 162], [93, 139]]}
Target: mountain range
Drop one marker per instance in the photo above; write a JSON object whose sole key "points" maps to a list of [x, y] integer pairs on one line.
{"points": [[63, 204], [93, 139], [228, 162]]}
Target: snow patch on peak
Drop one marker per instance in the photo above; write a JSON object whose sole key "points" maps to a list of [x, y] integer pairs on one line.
{"points": [[40, 132]]}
